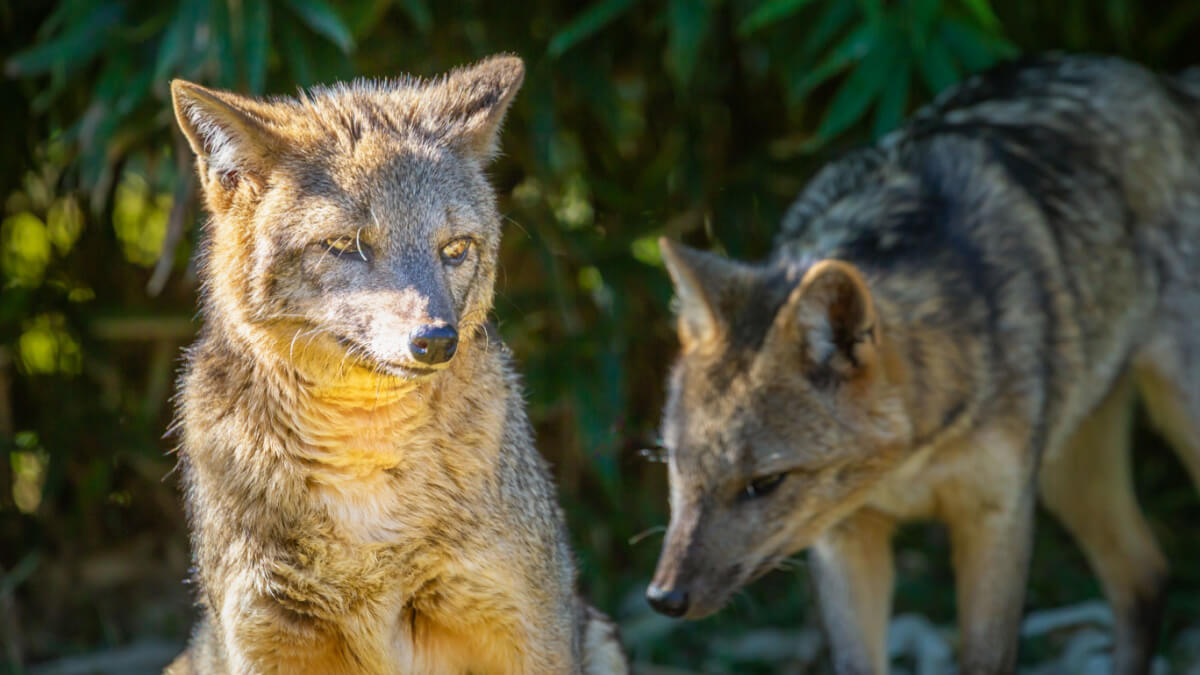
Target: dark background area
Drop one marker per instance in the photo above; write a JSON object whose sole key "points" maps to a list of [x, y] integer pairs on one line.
{"points": [[695, 119]]}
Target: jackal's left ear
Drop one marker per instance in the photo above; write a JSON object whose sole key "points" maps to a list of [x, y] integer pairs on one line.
{"points": [[833, 313], [703, 284], [474, 99]]}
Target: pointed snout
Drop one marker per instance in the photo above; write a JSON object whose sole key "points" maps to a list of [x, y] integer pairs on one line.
{"points": [[433, 345], [672, 602]]}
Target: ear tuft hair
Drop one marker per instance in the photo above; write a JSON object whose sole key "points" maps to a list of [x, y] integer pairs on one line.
{"points": [[833, 310], [227, 137], [474, 100], [702, 280]]}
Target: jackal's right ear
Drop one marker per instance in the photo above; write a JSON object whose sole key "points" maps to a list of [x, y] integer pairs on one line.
{"points": [[223, 133], [700, 280]]}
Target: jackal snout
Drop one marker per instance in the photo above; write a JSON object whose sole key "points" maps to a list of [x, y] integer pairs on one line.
{"points": [[431, 344]]}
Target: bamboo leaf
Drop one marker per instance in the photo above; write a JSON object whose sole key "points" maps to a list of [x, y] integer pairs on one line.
{"points": [[257, 21], [688, 25], [893, 100], [982, 11], [769, 12], [71, 50], [419, 14], [832, 21], [295, 54], [589, 22], [325, 21], [938, 66], [853, 47], [221, 45], [170, 48], [859, 90], [972, 48]]}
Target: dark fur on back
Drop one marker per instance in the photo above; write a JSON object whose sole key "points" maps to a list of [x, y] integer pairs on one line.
{"points": [[954, 322]]}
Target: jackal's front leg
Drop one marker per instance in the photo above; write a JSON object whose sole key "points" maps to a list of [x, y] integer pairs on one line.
{"points": [[991, 534], [853, 573]]}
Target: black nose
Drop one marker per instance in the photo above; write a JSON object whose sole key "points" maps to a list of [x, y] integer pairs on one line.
{"points": [[670, 602], [433, 344]]}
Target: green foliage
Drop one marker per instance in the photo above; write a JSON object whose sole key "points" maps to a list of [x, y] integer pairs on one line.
{"points": [[694, 119]]}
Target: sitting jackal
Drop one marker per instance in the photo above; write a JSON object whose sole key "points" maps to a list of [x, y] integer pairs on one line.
{"points": [[953, 322], [363, 490]]}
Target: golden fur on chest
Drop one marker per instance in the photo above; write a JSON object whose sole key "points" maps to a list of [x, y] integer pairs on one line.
{"points": [[362, 497]]}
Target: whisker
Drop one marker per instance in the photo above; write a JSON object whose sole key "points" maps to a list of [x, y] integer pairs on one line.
{"points": [[637, 538]]}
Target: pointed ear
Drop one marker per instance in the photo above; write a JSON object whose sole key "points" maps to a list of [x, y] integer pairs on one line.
{"points": [[832, 315], [474, 99], [222, 131], [699, 278]]}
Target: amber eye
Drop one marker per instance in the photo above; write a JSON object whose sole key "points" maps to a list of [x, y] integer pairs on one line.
{"points": [[347, 245], [454, 252], [762, 486]]}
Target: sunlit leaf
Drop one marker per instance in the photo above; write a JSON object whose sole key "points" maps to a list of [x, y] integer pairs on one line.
{"points": [[26, 249], [64, 223], [769, 12], [324, 20], [589, 21], [47, 347], [140, 219]]}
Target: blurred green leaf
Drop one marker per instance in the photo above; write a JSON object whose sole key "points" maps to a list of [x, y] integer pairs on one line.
{"points": [[975, 49], [172, 44], [924, 15], [853, 47], [257, 39], [591, 20], [419, 13], [893, 100], [938, 66], [982, 11], [873, 10], [832, 21], [858, 91], [324, 20], [70, 51], [688, 23], [295, 54], [769, 12], [221, 45]]}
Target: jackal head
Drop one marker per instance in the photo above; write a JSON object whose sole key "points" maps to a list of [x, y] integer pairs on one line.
{"points": [[352, 229], [781, 414]]}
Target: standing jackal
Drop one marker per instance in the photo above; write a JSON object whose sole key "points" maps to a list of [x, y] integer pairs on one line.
{"points": [[953, 322], [362, 486]]}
